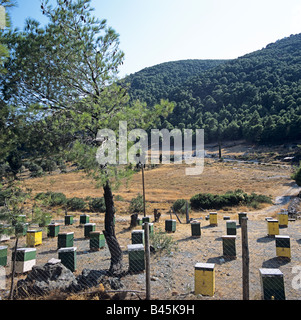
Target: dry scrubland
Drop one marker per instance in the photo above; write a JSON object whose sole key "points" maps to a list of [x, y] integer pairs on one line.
{"points": [[173, 275]]}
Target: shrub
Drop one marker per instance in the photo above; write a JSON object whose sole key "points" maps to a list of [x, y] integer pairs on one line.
{"points": [[48, 165], [57, 199], [41, 217], [97, 205], [297, 176], [4, 194], [162, 242], [35, 170], [76, 204], [180, 206], [136, 204]]}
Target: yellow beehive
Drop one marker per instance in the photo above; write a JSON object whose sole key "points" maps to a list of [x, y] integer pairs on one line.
{"points": [[283, 247], [213, 218], [33, 238], [204, 279], [273, 227], [283, 219]]}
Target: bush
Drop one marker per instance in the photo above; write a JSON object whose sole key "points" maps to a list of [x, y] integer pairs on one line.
{"points": [[136, 204], [4, 194], [297, 176], [180, 206], [35, 170], [57, 199], [48, 165], [162, 242], [97, 205], [43, 218], [76, 204]]}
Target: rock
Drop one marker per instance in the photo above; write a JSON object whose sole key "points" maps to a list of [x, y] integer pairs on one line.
{"points": [[45, 279]]}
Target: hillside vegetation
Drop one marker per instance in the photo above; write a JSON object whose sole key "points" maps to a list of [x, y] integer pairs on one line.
{"points": [[256, 97]]}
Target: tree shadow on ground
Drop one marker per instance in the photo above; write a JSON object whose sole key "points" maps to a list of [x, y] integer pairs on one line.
{"points": [[275, 262]]}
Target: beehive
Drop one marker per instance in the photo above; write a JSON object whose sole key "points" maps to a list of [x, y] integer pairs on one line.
{"points": [[283, 246], [195, 229], [3, 256], [138, 237], [150, 227], [136, 257], [231, 227], [68, 220], [65, 240], [25, 259], [170, 225], [4, 231], [240, 216], [283, 219], [89, 227], [68, 257], [33, 238], [204, 279], [272, 284], [145, 219], [273, 227], [139, 222], [83, 219], [97, 240], [53, 230], [226, 218], [229, 246], [213, 218]]}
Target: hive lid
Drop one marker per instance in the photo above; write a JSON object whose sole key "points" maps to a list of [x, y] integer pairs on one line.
{"points": [[204, 266], [270, 272], [229, 237], [138, 231], [90, 224], [135, 247], [26, 249], [3, 247], [272, 220], [70, 249], [282, 237]]}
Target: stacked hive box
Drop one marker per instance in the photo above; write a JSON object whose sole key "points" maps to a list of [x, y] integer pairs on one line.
{"points": [[195, 229], [68, 257], [34, 238], [97, 240], [145, 219], [150, 227], [3, 256], [68, 220], [283, 219], [83, 219], [89, 227], [139, 222], [65, 240], [229, 246], [273, 227], [272, 284], [283, 247], [240, 216], [213, 218], [53, 230], [204, 279], [170, 225], [136, 257], [25, 259], [231, 227], [138, 237]]}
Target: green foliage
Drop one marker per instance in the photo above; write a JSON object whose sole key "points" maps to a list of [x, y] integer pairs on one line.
{"points": [[75, 204], [180, 206], [97, 205], [136, 204], [297, 175], [35, 170], [56, 199], [41, 217], [163, 243], [229, 199]]}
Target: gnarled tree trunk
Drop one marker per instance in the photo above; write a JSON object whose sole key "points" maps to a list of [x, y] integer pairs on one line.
{"points": [[109, 232]]}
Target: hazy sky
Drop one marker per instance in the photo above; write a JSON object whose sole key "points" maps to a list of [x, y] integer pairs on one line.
{"points": [[156, 31]]}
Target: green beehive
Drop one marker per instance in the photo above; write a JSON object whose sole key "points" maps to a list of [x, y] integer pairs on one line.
{"points": [[68, 257], [240, 216], [272, 284], [231, 227], [89, 227], [25, 259], [229, 246], [145, 219], [170, 225], [97, 240], [138, 237], [65, 240], [3, 256], [68, 220], [83, 219], [150, 227], [195, 229], [136, 257], [139, 222], [53, 230]]}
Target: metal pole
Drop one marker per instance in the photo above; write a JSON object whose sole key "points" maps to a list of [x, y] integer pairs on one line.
{"points": [[245, 257], [147, 261]]}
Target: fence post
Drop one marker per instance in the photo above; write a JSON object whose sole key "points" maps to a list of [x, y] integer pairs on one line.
{"points": [[187, 213], [245, 258], [147, 260]]}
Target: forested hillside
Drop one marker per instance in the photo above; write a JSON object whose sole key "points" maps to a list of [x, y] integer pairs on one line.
{"points": [[256, 97]]}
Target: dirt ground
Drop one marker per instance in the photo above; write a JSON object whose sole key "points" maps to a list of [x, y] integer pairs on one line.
{"points": [[172, 276]]}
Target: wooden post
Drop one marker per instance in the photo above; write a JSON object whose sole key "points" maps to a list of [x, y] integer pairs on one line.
{"points": [[142, 166], [245, 258], [147, 261], [187, 213]]}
